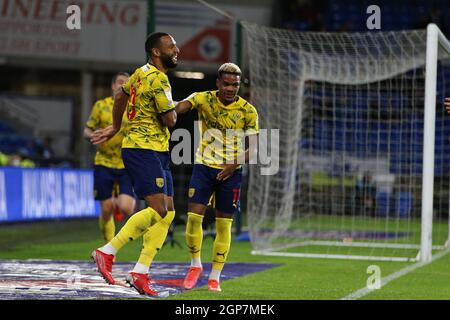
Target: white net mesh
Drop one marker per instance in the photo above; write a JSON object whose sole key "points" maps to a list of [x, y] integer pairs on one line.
{"points": [[349, 107]]}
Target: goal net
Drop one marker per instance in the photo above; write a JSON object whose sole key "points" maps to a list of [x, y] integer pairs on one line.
{"points": [[364, 150]]}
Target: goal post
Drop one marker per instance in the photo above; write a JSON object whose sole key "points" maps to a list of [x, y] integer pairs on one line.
{"points": [[364, 154], [435, 41]]}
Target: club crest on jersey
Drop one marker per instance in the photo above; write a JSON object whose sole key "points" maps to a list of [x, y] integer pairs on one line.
{"points": [[236, 116], [191, 192], [160, 182]]}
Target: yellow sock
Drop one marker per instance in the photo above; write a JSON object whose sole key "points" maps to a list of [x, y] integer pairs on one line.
{"points": [[107, 228], [154, 238], [194, 234], [222, 242], [134, 228], [146, 256]]}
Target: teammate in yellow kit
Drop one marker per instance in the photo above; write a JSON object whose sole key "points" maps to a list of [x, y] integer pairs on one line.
{"points": [[109, 170], [145, 147], [217, 169]]}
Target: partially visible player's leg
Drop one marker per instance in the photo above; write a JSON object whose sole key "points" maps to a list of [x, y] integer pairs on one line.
{"points": [[103, 184], [160, 200], [221, 248], [138, 164], [144, 169], [106, 221], [201, 187], [126, 201], [227, 197], [194, 240], [103, 188], [117, 214], [133, 229], [194, 232], [162, 203], [154, 235], [126, 204], [153, 239]]}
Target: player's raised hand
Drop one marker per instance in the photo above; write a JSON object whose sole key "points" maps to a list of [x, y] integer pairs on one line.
{"points": [[447, 104], [101, 135]]}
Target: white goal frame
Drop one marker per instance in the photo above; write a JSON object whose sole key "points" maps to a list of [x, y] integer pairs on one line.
{"points": [[435, 42]]}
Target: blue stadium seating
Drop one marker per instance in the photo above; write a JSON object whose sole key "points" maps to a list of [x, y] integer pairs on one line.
{"points": [[349, 131], [383, 203], [403, 204], [11, 141], [352, 15]]}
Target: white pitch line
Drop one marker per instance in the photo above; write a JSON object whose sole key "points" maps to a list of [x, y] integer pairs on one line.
{"points": [[365, 291]]}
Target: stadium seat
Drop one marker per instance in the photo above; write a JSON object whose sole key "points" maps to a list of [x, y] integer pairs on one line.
{"points": [[383, 203], [403, 204]]}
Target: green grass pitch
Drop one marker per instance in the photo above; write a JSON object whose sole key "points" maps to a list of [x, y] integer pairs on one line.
{"points": [[295, 279]]}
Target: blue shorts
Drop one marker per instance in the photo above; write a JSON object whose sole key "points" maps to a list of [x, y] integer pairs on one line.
{"points": [[204, 183], [105, 180], [149, 171]]}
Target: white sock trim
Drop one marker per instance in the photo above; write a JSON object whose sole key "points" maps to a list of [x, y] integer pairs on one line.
{"points": [[215, 274], [196, 262], [108, 249], [141, 268]]}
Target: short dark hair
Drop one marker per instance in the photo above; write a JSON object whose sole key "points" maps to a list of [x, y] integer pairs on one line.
{"points": [[118, 74], [153, 41]]}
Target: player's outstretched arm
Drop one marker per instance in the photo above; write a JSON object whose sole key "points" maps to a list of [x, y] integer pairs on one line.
{"points": [[183, 106], [120, 103], [169, 118], [447, 104]]}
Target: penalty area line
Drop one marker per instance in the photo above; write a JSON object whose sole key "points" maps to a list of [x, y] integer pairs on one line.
{"points": [[365, 291]]}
